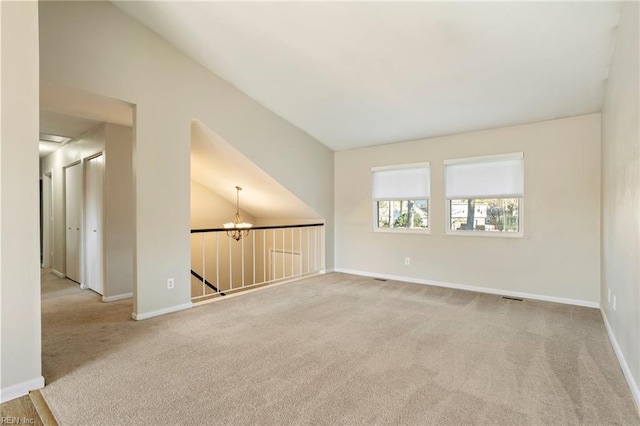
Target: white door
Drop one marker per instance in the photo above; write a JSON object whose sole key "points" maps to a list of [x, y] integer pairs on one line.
{"points": [[94, 223], [73, 216]]}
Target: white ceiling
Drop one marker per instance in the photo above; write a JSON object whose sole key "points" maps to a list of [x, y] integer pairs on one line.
{"points": [[70, 126], [69, 112], [353, 74], [58, 124]]}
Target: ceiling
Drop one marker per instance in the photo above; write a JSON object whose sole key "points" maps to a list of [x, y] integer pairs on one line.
{"points": [[56, 123], [70, 112], [354, 74]]}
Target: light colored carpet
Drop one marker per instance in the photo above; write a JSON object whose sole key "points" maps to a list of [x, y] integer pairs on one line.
{"points": [[52, 286], [333, 349]]}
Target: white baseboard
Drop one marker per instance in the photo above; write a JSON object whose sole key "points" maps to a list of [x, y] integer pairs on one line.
{"points": [[500, 292], [635, 391], [21, 389], [157, 313], [117, 297], [58, 274]]}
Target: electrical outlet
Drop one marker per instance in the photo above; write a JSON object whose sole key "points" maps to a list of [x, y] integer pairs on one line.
{"points": [[407, 261], [614, 302], [171, 283]]}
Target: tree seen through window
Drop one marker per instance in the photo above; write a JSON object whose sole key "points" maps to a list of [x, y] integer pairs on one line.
{"points": [[409, 214]]}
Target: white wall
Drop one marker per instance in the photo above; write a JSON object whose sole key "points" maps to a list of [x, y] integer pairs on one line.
{"points": [[135, 65], [115, 142], [621, 197], [559, 258], [20, 364]]}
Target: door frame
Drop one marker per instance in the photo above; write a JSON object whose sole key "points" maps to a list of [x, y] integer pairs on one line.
{"points": [[47, 220], [85, 165], [64, 219]]}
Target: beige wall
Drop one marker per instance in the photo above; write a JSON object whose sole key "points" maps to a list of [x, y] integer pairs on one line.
{"points": [[209, 210], [288, 221], [20, 351], [118, 211], [135, 65], [559, 256], [621, 196], [115, 142]]}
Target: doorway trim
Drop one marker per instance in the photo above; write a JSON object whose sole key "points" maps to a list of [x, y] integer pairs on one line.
{"points": [[81, 221], [85, 166], [47, 220]]}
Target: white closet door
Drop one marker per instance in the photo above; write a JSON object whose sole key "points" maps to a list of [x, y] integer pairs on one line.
{"points": [[94, 223], [73, 205]]}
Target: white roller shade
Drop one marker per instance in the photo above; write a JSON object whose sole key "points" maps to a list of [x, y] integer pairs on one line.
{"points": [[408, 183], [485, 178]]}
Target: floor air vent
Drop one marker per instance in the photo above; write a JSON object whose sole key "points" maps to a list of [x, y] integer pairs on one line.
{"points": [[379, 279], [517, 299]]}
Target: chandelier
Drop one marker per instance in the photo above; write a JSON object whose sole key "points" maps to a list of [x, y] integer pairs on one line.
{"points": [[238, 228]]}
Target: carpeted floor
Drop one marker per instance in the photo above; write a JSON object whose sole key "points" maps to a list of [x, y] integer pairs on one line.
{"points": [[333, 349]]}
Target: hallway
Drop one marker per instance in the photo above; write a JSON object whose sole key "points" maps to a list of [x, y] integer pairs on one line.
{"points": [[54, 286], [55, 292], [68, 313]]}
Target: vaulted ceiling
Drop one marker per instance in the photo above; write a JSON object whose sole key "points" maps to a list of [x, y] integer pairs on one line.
{"points": [[354, 74]]}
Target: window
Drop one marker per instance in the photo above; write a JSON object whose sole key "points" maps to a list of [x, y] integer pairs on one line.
{"points": [[485, 194], [401, 197]]}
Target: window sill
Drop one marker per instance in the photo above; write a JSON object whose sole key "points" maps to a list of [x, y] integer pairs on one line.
{"points": [[509, 235], [403, 231]]}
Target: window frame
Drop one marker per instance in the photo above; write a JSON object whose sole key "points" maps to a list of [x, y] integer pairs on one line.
{"points": [[476, 233], [374, 200]]}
